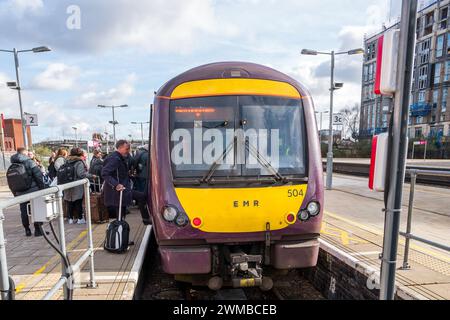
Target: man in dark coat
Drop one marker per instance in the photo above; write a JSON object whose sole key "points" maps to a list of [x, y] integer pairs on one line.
{"points": [[37, 183], [116, 174]]}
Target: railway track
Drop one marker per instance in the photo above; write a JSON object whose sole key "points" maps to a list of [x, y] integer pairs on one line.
{"points": [[159, 286], [362, 170]]}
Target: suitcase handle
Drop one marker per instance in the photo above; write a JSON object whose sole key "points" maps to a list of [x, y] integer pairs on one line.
{"points": [[120, 205]]}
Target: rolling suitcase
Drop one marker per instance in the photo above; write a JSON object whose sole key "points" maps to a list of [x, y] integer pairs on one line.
{"points": [[99, 213], [118, 233]]}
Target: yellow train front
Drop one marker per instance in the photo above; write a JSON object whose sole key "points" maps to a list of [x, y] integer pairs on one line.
{"points": [[235, 181]]}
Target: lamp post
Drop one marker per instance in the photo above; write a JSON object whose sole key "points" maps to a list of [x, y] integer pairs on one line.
{"points": [[333, 86], [114, 122], [16, 52], [142, 130], [76, 136]]}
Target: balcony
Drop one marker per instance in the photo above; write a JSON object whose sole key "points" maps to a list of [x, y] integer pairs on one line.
{"points": [[420, 109]]}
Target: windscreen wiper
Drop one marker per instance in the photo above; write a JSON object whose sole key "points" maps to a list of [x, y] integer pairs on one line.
{"points": [[266, 164], [207, 178]]}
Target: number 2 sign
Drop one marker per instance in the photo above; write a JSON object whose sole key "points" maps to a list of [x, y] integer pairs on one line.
{"points": [[32, 120]]}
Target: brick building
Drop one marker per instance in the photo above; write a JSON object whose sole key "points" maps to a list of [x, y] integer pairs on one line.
{"points": [[14, 136]]}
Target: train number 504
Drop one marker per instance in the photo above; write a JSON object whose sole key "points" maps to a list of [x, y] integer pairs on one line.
{"points": [[294, 193]]}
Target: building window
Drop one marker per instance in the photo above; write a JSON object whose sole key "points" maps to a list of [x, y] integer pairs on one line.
{"points": [[418, 133], [366, 73], [419, 120], [385, 120], [374, 116], [424, 51], [447, 71], [371, 52], [435, 98], [423, 77], [439, 46], [437, 73], [421, 98], [444, 100], [443, 15]]}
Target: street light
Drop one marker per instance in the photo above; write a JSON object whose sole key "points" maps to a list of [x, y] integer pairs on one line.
{"points": [[113, 122], [16, 52], [76, 136], [142, 130], [333, 86]]}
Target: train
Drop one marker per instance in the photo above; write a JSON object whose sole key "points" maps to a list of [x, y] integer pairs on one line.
{"points": [[235, 175]]}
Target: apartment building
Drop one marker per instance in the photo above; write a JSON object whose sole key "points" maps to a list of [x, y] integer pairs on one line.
{"points": [[430, 110], [375, 110]]}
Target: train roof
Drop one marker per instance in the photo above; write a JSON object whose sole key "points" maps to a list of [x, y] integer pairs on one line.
{"points": [[229, 70]]}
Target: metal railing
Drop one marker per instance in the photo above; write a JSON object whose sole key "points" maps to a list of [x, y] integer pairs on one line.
{"points": [[64, 281], [408, 234]]}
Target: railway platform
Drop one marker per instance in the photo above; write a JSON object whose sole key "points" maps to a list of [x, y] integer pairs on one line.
{"points": [[353, 232], [35, 267]]}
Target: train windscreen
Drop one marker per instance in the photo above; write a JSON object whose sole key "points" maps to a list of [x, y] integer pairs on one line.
{"points": [[237, 136]]}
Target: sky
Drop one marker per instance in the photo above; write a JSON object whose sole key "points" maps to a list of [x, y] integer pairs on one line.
{"points": [[115, 52]]}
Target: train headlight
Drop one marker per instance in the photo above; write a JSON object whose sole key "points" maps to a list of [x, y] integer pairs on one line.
{"points": [[181, 220], [313, 208], [304, 215], [170, 213]]}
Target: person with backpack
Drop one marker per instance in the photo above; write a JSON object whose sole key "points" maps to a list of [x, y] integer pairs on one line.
{"points": [[96, 164], [59, 160], [140, 167], [24, 176], [116, 174], [74, 169]]}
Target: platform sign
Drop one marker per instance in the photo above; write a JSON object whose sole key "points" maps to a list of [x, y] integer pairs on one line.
{"points": [[378, 163], [338, 119], [420, 143], [32, 120], [387, 63]]}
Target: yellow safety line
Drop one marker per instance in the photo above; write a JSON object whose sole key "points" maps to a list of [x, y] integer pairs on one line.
{"points": [[23, 284], [341, 234], [379, 233]]}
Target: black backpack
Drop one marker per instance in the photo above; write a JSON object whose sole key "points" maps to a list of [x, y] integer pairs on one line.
{"points": [[52, 170], [66, 173], [18, 177]]}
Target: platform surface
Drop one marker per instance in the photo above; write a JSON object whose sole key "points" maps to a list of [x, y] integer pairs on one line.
{"points": [[35, 267], [354, 222]]}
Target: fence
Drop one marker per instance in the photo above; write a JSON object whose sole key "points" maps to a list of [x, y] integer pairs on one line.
{"points": [[5, 160], [408, 234], [56, 200]]}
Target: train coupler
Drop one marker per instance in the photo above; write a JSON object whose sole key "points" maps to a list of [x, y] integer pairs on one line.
{"points": [[246, 270]]}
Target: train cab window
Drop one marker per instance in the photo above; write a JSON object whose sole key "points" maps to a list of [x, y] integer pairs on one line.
{"points": [[237, 137], [196, 124], [278, 124]]}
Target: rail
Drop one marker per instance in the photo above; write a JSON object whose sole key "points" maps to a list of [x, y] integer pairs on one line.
{"points": [[64, 282], [408, 234]]}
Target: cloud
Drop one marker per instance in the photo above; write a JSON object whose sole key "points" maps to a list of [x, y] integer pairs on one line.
{"points": [[113, 96], [57, 76], [156, 26], [8, 98]]}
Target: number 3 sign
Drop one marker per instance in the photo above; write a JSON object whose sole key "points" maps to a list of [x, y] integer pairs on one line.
{"points": [[338, 119]]}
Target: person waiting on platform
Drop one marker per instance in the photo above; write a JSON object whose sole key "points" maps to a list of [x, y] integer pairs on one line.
{"points": [[116, 174], [74, 197]]}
